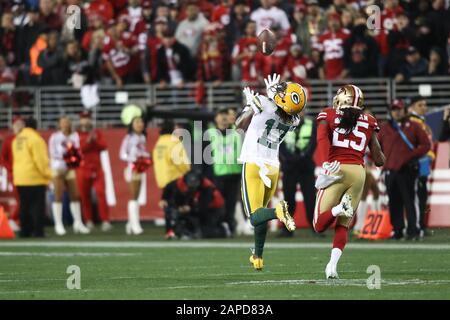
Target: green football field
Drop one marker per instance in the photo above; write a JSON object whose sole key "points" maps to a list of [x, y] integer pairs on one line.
{"points": [[114, 266]]}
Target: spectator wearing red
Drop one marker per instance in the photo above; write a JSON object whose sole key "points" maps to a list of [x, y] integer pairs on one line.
{"points": [[275, 62], [154, 42], [95, 23], [6, 159], [103, 8], [298, 66], [212, 57], [331, 43], [221, 12], [240, 48], [48, 15], [90, 173], [252, 63], [388, 21], [120, 53]]}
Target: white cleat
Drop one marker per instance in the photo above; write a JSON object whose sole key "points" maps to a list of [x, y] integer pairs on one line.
{"points": [[133, 229], [106, 226], [80, 228], [59, 230], [346, 203], [13, 225], [330, 271], [90, 225]]}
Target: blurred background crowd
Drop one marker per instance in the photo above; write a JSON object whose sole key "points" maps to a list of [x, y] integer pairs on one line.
{"points": [[172, 42]]}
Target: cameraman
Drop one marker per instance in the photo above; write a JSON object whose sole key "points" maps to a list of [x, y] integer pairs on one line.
{"points": [[403, 142], [194, 207]]}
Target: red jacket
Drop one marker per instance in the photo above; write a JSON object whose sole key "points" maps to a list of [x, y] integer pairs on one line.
{"points": [[396, 150], [91, 151]]}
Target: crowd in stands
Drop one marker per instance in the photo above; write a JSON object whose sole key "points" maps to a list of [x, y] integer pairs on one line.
{"points": [[172, 42]]}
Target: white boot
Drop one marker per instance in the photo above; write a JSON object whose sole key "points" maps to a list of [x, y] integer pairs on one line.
{"points": [[331, 268], [360, 216], [13, 225], [106, 226], [57, 218], [78, 226], [134, 225]]}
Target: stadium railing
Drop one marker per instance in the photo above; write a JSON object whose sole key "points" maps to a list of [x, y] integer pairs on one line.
{"points": [[48, 103]]}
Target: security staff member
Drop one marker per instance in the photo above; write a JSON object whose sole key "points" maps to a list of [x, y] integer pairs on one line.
{"points": [[297, 165], [225, 149], [417, 111], [403, 142], [31, 172]]}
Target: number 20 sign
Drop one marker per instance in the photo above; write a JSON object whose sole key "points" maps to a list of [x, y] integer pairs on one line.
{"points": [[377, 226]]}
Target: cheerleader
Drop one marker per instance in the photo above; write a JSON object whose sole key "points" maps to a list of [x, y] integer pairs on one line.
{"points": [[64, 159], [134, 152]]}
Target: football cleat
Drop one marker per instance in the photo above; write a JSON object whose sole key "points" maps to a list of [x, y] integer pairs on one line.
{"points": [[283, 215], [257, 263], [106, 226], [346, 203], [59, 230], [80, 228], [330, 271]]}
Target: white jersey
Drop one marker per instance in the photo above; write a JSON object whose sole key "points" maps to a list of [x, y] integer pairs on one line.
{"points": [[264, 135], [267, 18], [57, 146], [133, 146]]}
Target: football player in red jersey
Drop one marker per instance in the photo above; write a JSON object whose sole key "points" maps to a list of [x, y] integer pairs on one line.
{"points": [[343, 134]]}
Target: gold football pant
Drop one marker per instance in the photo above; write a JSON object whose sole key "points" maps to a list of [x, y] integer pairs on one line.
{"points": [[255, 194], [352, 182]]}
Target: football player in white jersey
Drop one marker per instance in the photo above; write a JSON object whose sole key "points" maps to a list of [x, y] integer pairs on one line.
{"points": [[266, 119]]}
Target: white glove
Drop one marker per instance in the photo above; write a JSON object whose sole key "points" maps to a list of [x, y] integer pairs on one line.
{"points": [[271, 83], [250, 96], [325, 177]]}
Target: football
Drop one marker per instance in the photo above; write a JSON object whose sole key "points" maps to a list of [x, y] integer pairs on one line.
{"points": [[266, 42]]}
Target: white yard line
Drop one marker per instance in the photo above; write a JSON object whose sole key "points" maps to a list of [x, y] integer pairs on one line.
{"points": [[228, 245], [66, 254]]}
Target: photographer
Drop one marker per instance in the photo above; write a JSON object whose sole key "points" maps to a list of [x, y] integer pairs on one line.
{"points": [[194, 208], [403, 142]]}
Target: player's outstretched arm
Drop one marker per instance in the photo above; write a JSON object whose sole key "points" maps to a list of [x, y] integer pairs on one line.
{"points": [[375, 149], [244, 119]]}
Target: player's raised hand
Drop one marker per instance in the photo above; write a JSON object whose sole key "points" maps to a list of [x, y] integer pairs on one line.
{"points": [[250, 96], [271, 83]]}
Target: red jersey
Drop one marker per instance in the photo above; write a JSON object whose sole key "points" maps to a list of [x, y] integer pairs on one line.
{"points": [[275, 62], [388, 22], [332, 45], [121, 60], [348, 149], [221, 14], [102, 8], [296, 69], [91, 151]]}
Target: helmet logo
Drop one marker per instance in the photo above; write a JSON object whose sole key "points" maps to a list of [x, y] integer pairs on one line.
{"points": [[295, 97]]}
